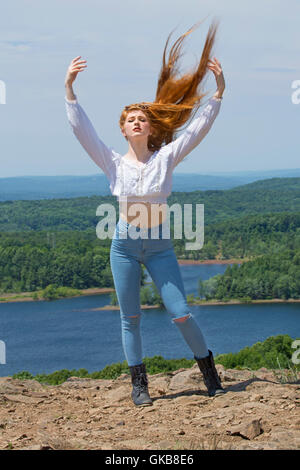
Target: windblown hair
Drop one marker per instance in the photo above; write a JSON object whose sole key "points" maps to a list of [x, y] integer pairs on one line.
{"points": [[177, 99]]}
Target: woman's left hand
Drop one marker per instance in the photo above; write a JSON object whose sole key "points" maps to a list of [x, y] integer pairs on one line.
{"points": [[216, 68]]}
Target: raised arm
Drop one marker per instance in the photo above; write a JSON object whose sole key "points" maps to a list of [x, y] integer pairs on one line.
{"points": [[82, 126], [200, 126], [195, 132]]}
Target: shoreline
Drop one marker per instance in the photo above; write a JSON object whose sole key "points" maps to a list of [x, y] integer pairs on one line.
{"points": [[28, 296], [106, 290], [212, 261], [207, 302]]}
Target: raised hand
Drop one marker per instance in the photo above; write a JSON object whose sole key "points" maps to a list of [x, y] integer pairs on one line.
{"points": [[75, 66], [216, 68]]}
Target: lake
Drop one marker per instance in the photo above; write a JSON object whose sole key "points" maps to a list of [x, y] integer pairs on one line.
{"points": [[42, 337]]}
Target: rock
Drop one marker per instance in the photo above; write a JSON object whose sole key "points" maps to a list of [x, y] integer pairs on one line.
{"points": [[159, 383], [22, 436], [85, 383], [248, 430], [22, 399], [123, 377], [256, 397], [265, 426], [225, 375], [118, 395], [10, 385], [188, 378]]}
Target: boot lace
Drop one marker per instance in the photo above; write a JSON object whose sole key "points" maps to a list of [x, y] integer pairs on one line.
{"points": [[141, 383]]}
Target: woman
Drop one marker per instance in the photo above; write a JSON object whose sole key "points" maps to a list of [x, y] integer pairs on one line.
{"points": [[141, 180]]}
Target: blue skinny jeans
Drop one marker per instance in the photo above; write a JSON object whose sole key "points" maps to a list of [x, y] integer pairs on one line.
{"points": [[130, 247]]}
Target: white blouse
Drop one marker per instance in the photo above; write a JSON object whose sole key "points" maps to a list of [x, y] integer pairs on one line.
{"points": [[146, 182]]}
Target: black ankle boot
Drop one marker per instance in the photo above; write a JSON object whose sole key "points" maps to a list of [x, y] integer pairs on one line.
{"points": [[140, 394], [210, 375]]}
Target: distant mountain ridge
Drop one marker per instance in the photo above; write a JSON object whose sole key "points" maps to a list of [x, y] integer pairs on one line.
{"points": [[273, 195], [70, 186]]}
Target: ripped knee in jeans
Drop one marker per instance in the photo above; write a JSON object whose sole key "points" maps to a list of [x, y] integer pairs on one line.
{"points": [[183, 319]]}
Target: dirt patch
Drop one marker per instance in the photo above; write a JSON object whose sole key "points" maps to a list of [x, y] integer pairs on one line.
{"points": [[256, 412]]}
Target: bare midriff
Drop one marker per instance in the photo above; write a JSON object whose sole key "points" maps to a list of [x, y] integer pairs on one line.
{"points": [[145, 214]]}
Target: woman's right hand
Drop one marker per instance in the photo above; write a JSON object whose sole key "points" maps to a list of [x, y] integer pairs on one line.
{"points": [[75, 66]]}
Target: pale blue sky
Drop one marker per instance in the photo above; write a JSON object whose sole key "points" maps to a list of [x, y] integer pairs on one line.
{"points": [[257, 45]]}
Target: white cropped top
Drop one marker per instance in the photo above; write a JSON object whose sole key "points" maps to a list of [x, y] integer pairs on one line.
{"points": [[148, 182]]}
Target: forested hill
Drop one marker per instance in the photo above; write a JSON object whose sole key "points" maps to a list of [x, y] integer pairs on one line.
{"points": [[260, 197], [276, 184]]}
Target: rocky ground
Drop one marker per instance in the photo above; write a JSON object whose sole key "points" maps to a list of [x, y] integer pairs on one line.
{"points": [[257, 412]]}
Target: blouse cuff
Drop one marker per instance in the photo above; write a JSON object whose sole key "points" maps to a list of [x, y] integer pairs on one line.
{"points": [[217, 99], [71, 101]]}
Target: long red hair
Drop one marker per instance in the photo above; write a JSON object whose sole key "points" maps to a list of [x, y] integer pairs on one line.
{"points": [[177, 99]]}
